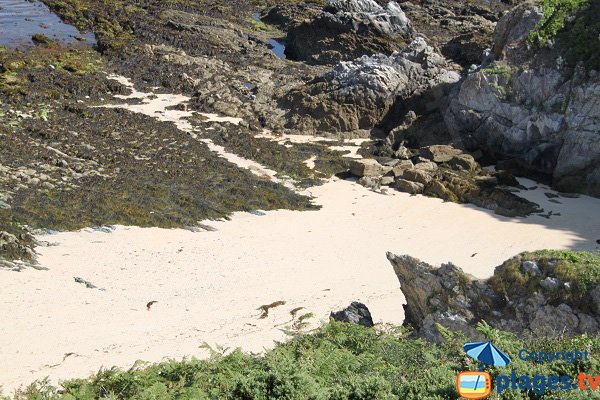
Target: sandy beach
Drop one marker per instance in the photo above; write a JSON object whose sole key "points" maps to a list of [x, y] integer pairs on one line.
{"points": [[208, 285]]}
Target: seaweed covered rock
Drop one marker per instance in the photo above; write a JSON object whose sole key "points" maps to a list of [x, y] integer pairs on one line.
{"points": [[355, 96], [545, 293]]}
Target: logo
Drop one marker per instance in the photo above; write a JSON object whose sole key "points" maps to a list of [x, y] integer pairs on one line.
{"points": [[474, 385], [478, 384]]}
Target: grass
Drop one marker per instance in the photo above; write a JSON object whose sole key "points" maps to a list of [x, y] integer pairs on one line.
{"points": [[499, 68], [574, 25], [556, 15], [338, 361], [580, 269]]}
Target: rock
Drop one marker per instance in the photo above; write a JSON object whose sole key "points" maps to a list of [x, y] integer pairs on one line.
{"points": [[404, 185], [387, 181], [370, 182], [356, 313], [417, 175], [464, 161], [345, 30], [366, 167], [551, 321], [402, 166], [550, 283], [426, 166], [595, 295], [437, 189], [356, 95], [439, 153], [540, 116], [531, 268]]}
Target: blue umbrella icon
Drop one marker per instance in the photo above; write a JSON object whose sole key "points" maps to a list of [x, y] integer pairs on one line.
{"points": [[487, 353]]}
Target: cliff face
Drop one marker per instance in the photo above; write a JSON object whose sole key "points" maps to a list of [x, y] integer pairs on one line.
{"points": [[531, 108]]}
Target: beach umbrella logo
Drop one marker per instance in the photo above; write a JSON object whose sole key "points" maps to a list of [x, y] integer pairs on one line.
{"points": [[478, 384], [486, 353]]}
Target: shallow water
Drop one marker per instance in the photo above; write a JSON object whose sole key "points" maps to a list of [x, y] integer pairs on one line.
{"points": [[277, 48], [20, 19]]}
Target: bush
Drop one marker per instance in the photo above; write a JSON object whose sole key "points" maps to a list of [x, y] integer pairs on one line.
{"points": [[339, 361]]}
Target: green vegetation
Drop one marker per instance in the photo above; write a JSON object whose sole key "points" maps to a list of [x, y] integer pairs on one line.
{"points": [[580, 269], [556, 15], [573, 23], [499, 68], [339, 361]]}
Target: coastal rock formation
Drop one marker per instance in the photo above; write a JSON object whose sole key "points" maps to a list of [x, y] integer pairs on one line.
{"points": [[447, 173], [532, 109], [355, 313], [344, 30], [533, 293], [357, 95]]}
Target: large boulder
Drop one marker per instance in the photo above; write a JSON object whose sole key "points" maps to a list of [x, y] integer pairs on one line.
{"points": [[347, 29], [355, 96], [533, 109]]}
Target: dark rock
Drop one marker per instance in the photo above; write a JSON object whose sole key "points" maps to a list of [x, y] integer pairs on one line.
{"points": [[356, 313]]}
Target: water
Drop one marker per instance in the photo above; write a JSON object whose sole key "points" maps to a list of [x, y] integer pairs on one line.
{"points": [[277, 47], [20, 19]]}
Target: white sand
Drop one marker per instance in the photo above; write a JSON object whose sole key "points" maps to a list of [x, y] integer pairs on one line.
{"points": [[208, 285]]}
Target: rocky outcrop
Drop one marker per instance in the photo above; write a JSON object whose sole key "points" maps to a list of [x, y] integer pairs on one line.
{"points": [[526, 295], [447, 173], [357, 95], [531, 110], [343, 30], [355, 313]]}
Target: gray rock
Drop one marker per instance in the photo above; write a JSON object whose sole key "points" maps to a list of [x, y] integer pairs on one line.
{"points": [[437, 189], [595, 294], [439, 153], [356, 313], [417, 175], [531, 268], [426, 166], [546, 119], [551, 321], [408, 186], [370, 182], [387, 181], [356, 95], [367, 14], [550, 283], [464, 161], [449, 297], [402, 166], [366, 167]]}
